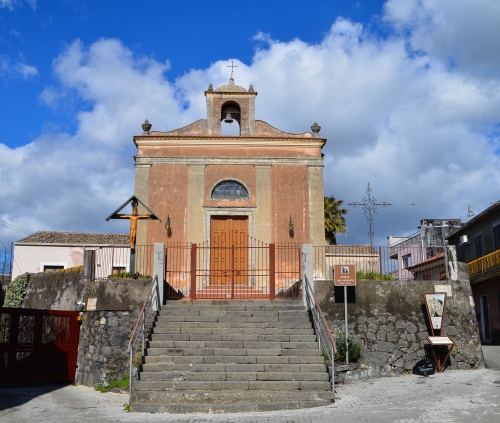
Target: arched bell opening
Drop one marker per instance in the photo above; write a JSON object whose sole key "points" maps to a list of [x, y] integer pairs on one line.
{"points": [[230, 119]]}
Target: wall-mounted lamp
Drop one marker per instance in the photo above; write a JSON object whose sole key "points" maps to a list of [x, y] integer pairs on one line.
{"points": [[290, 227], [168, 227]]}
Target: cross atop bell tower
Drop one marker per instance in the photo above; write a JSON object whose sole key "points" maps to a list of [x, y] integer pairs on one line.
{"points": [[231, 102]]}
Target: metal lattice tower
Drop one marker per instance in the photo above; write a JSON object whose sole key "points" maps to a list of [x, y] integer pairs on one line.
{"points": [[370, 206]]}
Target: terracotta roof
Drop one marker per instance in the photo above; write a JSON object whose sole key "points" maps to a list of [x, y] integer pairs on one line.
{"points": [[75, 238], [436, 258], [350, 250]]}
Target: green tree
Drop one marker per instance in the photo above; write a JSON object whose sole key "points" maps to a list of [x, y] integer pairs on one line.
{"points": [[334, 219]]}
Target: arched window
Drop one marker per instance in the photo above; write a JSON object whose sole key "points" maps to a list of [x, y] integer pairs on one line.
{"points": [[230, 190]]}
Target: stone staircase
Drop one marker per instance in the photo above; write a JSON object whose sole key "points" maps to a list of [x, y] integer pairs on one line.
{"points": [[232, 356]]}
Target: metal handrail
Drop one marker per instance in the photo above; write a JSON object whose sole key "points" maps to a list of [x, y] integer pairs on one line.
{"points": [[326, 342], [146, 317]]}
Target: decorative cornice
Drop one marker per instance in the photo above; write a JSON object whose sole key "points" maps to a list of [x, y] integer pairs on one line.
{"points": [[256, 161], [227, 141], [231, 93]]}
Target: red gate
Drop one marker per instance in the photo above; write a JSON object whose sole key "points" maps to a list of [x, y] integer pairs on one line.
{"points": [[38, 344]]}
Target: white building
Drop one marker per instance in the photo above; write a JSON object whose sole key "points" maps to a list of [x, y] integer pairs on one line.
{"points": [[46, 250]]}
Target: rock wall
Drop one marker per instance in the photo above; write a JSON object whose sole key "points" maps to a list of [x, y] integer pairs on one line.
{"points": [[390, 321], [102, 348], [105, 332], [59, 290]]}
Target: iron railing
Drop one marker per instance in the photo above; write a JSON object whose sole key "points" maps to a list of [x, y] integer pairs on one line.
{"points": [[381, 263], [143, 325], [485, 263], [250, 270], [326, 342]]}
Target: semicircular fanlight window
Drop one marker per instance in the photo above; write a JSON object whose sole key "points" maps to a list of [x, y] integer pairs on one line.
{"points": [[230, 190]]}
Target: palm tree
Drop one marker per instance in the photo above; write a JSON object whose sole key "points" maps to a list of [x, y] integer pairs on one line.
{"points": [[334, 219]]}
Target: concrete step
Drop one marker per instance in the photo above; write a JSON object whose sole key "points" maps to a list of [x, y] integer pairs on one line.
{"points": [[217, 327], [248, 359], [185, 402], [234, 337], [231, 367], [266, 344], [232, 306], [228, 331], [234, 351], [225, 408], [182, 311], [234, 376], [224, 385]]}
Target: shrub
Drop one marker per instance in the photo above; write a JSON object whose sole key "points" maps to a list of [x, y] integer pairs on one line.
{"points": [[16, 291], [128, 275], [373, 276], [354, 348]]}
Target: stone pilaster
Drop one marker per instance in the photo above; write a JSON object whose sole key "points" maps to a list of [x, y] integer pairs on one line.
{"points": [[263, 203], [316, 205], [196, 187], [141, 190]]}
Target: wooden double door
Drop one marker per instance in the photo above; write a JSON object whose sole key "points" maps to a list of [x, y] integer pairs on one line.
{"points": [[229, 250]]}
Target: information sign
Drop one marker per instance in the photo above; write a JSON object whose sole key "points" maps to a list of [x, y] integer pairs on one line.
{"points": [[344, 275]]}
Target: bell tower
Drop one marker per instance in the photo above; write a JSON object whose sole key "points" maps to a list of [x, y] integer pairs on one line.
{"points": [[231, 102]]}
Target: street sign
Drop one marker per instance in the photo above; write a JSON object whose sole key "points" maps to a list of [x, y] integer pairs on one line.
{"points": [[344, 275]]}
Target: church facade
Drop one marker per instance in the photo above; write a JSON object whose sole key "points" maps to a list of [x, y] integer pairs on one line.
{"points": [[263, 184]]}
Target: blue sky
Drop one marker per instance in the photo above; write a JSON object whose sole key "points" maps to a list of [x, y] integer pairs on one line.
{"points": [[406, 91], [187, 35]]}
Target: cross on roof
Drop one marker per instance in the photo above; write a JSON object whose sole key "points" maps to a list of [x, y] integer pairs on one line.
{"points": [[232, 68], [369, 205]]}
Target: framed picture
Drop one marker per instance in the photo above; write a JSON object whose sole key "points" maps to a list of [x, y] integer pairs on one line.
{"points": [[435, 303]]}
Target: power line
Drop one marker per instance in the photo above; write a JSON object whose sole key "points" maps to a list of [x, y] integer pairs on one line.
{"points": [[16, 228]]}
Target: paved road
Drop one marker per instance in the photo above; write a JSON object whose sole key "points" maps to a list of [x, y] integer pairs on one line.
{"points": [[492, 356], [453, 396]]}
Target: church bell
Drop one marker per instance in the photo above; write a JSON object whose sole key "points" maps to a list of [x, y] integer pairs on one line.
{"points": [[228, 118]]}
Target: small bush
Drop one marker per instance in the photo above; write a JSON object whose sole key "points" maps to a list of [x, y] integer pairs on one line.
{"points": [[16, 291], [354, 348], [128, 275], [372, 276]]}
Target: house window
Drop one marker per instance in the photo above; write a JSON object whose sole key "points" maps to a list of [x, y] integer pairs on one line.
{"points": [[118, 269], [478, 240], [462, 253], [406, 261], [50, 268], [230, 190], [496, 236]]}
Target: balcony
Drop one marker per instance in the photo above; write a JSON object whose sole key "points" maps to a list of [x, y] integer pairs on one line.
{"points": [[485, 264]]}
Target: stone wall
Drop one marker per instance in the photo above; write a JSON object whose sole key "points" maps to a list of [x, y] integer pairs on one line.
{"points": [[59, 290], [105, 332], [389, 319], [102, 348]]}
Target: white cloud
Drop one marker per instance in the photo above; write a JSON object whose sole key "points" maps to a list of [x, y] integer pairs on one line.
{"points": [[17, 69], [12, 4], [461, 32], [417, 129]]}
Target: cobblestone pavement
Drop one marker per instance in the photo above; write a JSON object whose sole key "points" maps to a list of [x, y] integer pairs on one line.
{"points": [[453, 396]]}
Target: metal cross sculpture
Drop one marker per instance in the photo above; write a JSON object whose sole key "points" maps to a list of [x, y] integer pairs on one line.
{"points": [[232, 68], [369, 205]]}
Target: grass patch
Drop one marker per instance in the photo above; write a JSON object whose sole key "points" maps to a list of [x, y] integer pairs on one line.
{"points": [[122, 383], [126, 407]]}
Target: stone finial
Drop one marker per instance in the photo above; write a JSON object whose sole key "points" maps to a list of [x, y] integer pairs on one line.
{"points": [[210, 87], [250, 90], [146, 127], [316, 128]]}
